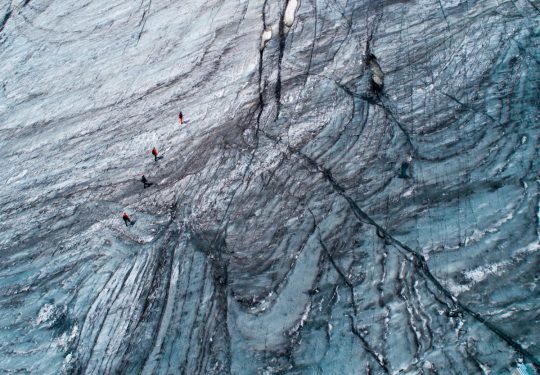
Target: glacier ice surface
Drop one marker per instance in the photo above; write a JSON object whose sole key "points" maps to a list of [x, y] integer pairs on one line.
{"points": [[355, 190]]}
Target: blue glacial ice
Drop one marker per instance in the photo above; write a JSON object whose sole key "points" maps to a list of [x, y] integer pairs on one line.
{"points": [[355, 190]]}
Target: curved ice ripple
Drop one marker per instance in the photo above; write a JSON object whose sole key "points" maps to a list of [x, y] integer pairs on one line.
{"points": [[356, 194]]}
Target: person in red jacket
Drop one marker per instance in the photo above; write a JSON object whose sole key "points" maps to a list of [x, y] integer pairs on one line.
{"points": [[181, 118], [155, 153], [126, 219]]}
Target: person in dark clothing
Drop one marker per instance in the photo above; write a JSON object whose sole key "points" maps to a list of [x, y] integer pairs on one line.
{"points": [[181, 118], [126, 218], [155, 153], [145, 182]]}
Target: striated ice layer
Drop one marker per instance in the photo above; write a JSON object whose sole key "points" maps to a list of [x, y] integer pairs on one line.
{"points": [[355, 190]]}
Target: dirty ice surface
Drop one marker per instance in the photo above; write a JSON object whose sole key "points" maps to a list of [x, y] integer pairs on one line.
{"points": [[355, 189]]}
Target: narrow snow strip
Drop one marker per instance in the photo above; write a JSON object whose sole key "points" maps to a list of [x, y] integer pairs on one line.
{"points": [[266, 36], [290, 11]]}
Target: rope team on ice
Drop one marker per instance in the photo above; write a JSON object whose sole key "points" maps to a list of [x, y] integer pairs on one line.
{"points": [[144, 180]]}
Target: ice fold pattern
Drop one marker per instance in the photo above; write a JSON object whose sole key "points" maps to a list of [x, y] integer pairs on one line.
{"points": [[355, 190]]}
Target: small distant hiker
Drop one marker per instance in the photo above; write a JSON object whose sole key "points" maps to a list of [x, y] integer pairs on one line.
{"points": [[126, 218], [181, 118], [155, 153], [145, 182]]}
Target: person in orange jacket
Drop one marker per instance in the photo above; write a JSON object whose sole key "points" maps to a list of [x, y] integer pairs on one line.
{"points": [[155, 153], [181, 118], [126, 219]]}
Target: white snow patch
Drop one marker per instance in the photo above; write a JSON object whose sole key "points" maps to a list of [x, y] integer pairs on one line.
{"points": [[50, 314], [457, 289], [66, 340], [303, 319], [290, 11], [485, 368], [477, 234], [69, 364], [409, 192], [266, 36], [482, 272], [460, 325], [46, 313], [17, 177]]}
